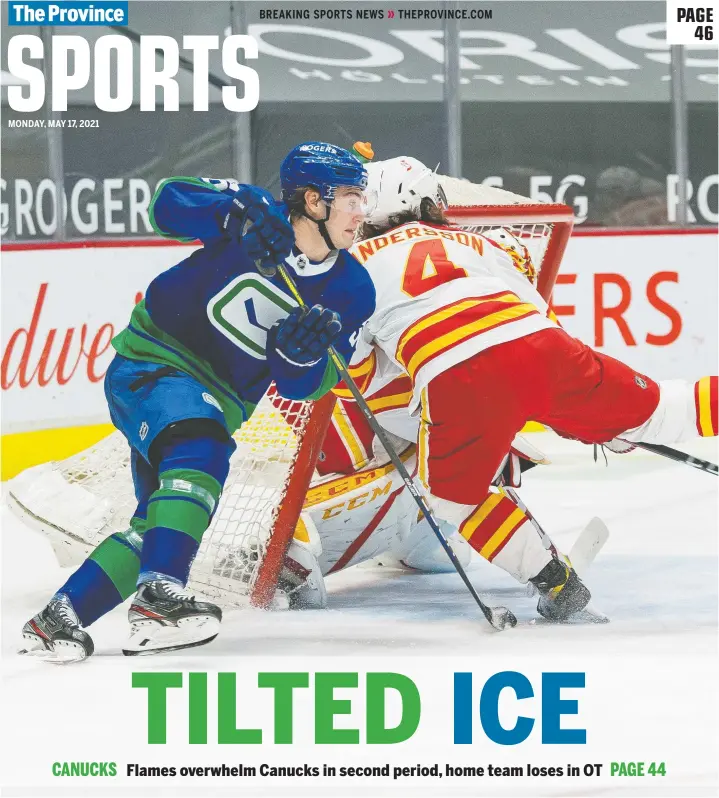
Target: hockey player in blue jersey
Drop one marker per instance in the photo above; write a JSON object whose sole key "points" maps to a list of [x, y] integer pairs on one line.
{"points": [[198, 354]]}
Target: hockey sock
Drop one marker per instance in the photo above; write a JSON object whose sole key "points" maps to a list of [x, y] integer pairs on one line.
{"points": [[501, 533], [705, 401], [108, 575], [192, 471]]}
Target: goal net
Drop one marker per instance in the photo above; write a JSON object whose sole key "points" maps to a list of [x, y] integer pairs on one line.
{"points": [[79, 501]]}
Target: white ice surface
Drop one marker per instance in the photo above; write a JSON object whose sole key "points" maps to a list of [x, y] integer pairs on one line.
{"points": [[656, 579]]}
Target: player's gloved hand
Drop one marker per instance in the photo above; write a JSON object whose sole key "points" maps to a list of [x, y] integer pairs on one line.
{"points": [[304, 336], [266, 233], [522, 456], [511, 469]]}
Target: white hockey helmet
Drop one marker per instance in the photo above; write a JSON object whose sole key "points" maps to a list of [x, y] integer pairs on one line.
{"points": [[400, 184]]}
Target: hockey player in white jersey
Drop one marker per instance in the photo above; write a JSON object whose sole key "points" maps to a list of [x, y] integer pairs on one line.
{"points": [[459, 314], [356, 508]]}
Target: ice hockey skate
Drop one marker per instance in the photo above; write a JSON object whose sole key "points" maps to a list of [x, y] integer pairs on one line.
{"points": [[562, 593], [163, 617], [55, 634]]}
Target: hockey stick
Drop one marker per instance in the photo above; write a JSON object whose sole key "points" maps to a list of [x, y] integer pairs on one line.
{"points": [[675, 454], [514, 496], [585, 548], [498, 617]]}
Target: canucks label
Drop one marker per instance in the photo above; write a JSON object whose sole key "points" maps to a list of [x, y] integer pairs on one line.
{"points": [[245, 310]]}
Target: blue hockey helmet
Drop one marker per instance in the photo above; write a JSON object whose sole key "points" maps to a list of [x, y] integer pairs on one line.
{"points": [[323, 165]]}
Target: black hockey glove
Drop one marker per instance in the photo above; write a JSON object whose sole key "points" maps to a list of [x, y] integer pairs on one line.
{"points": [[266, 233], [304, 336]]}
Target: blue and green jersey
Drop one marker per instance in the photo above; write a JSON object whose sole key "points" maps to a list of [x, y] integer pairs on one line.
{"points": [[210, 314]]}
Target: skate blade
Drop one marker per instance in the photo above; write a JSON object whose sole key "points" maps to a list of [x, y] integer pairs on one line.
{"points": [[590, 614], [152, 637], [62, 652]]}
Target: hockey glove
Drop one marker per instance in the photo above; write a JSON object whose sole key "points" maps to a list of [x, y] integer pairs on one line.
{"points": [[511, 469], [304, 336], [522, 456], [266, 233]]}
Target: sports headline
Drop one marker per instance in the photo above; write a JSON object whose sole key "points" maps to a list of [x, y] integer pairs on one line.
{"points": [[110, 63], [194, 692]]}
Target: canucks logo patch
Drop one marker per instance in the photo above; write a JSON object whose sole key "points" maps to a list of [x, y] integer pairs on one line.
{"points": [[144, 429], [245, 310]]}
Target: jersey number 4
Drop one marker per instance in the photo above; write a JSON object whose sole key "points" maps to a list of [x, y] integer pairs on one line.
{"points": [[427, 267]]}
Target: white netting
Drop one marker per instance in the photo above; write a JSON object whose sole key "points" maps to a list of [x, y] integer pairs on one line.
{"points": [[478, 208], [231, 550], [89, 496], [534, 236], [463, 193]]}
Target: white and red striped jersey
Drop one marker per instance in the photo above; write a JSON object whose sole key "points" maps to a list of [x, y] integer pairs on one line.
{"points": [[443, 295]]}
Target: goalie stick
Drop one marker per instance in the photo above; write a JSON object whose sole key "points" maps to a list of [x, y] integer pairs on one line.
{"points": [[498, 617]]}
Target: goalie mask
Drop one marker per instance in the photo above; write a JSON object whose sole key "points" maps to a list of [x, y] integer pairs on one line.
{"points": [[511, 244], [398, 185]]}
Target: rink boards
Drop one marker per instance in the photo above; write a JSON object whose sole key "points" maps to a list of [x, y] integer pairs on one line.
{"points": [[644, 297]]}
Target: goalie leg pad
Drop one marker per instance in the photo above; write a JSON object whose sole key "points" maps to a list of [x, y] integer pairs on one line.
{"points": [[421, 551]]}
